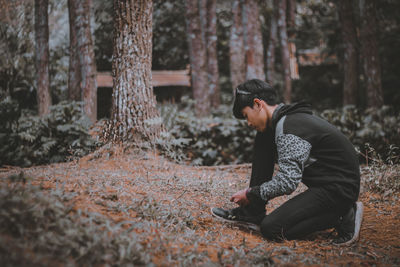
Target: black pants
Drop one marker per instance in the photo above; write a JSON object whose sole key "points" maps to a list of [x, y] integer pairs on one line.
{"points": [[318, 208]]}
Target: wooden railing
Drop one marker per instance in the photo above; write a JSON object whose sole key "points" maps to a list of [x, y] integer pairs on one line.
{"points": [[160, 78]]}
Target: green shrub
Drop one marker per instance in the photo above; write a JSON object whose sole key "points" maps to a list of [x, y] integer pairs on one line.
{"points": [[29, 140], [222, 139], [215, 140], [380, 128]]}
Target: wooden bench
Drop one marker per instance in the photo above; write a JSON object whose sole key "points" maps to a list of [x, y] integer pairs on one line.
{"points": [[168, 86], [160, 78]]}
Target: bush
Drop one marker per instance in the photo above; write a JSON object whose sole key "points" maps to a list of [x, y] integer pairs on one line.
{"points": [[214, 140], [29, 140], [377, 127], [222, 139]]}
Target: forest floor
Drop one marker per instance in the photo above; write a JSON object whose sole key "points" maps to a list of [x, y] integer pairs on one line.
{"points": [[158, 212]]}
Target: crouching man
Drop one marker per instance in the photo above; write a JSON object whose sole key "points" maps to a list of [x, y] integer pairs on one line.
{"points": [[307, 149]]}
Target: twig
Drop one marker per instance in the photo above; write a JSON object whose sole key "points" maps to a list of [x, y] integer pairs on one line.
{"points": [[184, 191]]}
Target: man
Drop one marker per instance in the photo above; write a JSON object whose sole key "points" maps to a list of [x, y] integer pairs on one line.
{"points": [[307, 149]]}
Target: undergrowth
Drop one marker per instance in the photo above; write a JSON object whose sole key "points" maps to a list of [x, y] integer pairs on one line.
{"points": [[28, 139], [214, 140], [381, 174], [222, 139], [40, 228]]}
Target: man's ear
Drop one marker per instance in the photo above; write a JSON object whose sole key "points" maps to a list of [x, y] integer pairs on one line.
{"points": [[257, 103]]}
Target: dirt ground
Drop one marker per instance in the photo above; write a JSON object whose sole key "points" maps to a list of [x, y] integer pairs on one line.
{"points": [[170, 203]]}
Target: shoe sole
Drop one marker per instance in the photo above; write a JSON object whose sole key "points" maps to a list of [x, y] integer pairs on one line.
{"points": [[358, 222], [246, 225]]}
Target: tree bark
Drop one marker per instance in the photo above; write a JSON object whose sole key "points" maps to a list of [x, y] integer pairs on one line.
{"points": [[198, 58], [236, 45], [253, 41], [134, 116], [212, 57], [369, 53], [42, 56], [74, 73], [283, 38], [291, 24], [273, 29], [350, 59], [82, 70]]}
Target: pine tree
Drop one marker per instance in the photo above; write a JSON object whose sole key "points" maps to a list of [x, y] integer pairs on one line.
{"points": [[283, 39], [201, 27], [237, 56], [82, 69], [369, 53], [134, 114], [42, 56], [350, 58]]}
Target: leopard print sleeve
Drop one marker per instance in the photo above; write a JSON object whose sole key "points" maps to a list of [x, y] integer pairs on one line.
{"points": [[293, 152]]}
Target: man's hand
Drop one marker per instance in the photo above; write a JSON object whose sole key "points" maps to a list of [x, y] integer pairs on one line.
{"points": [[240, 198]]}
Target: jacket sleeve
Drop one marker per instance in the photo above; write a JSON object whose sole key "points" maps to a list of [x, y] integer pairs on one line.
{"points": [[293, 152]]}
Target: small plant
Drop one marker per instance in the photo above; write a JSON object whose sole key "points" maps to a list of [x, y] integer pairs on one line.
{"points": [[381, 174]]}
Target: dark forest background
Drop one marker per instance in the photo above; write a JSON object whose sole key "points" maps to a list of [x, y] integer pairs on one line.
{"points": [[206, 135]]}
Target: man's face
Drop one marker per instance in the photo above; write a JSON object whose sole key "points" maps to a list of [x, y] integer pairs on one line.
{"points": [[256, 117]]}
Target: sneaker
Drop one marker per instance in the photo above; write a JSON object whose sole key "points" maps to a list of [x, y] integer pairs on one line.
{"points": [[350, 225], [240, 217]]}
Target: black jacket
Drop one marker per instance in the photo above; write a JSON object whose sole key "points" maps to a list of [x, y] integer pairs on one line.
{"points": [[308, 149]]}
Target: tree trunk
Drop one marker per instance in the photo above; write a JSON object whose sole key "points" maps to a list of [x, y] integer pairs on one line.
{"points": [[283, 38], [369, 53], [350, 59], [74, 72], [253, 41], [82, 76], [291, 23], [198, 58], [212, 57], [134, 116], [42, 56], [273, 28], [236, 45]]}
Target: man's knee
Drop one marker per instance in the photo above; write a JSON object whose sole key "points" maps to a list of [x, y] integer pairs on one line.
{"points": [[272, 228]]}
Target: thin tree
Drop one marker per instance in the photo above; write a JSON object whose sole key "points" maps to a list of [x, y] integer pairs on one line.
{"points": [[369, 53], [134, 112], [198, 58], [350, 57], [246, 48], [42, 56], [253, 41], [291, 29], [283, 39], [212, 57], [74, 89], [82, 69], [272, 42], [237, 56]]}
